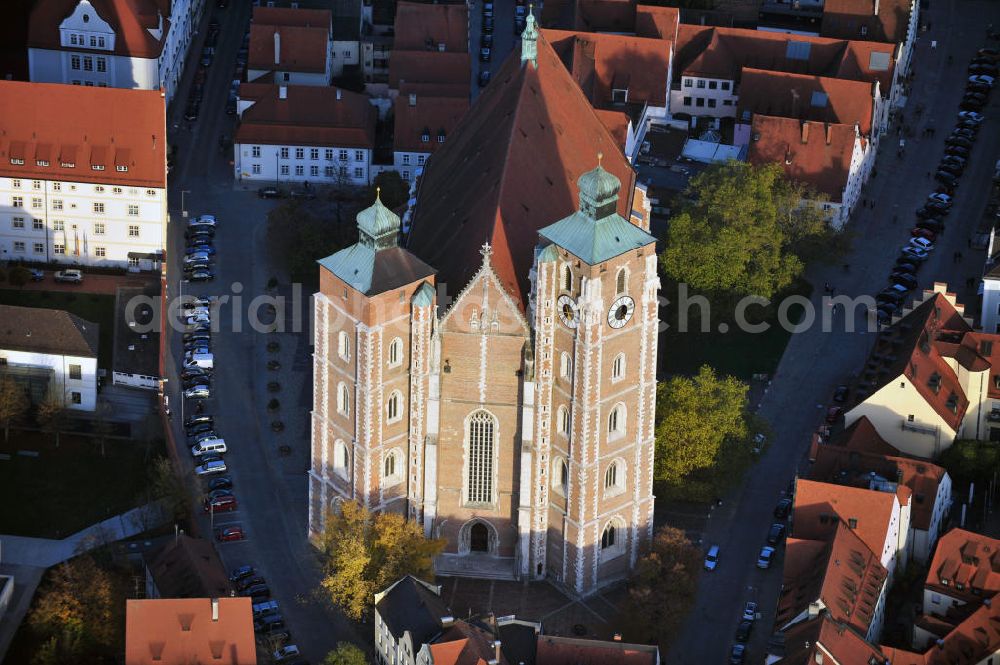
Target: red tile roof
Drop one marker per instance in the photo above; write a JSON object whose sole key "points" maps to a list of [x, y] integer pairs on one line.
{"points": [[464, 644], [183, 631], [427, 115], [806, 643], [806, 97], [862, 436], [815, 153], [600, 63], [569, 651], [658, 22], [131, 21], [422, 26], [843, 573], [302, 44], [819, 507], [411, 67], [617, 124], [457, 89], [509, 169], [968, 560], [856, 19], [723, 52], [311, 115], [83, 126]]}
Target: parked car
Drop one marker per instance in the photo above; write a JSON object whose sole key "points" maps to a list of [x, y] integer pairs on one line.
{"points": [[929, 213], [223, 483], [485, 54], [783, 509], [240, 573], [221, 504], [971, 115], [36, 274], [199, 231], [765, 557], [750, 611], [908, 281], [891, 295], [231, 534], [915, 253], [269, 193], [269, 624], [210, 466], [199, 248], [906, 264], [918, 232], [259, 591], [840, 394], [201, 276], [946, 178], [198, 392], [69, 276], [971, 104], [737, 654], [484, 78], [958, 150], [935, 225], [959, 141], [777, 531], [743, 631], [248, 582], [286, 653], [923, 243], [712, 558], [833, 414], [199, 420]]}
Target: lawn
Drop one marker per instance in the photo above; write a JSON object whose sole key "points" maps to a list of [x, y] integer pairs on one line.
{"points": [[97, 308], [735, 352], [68, 488]]}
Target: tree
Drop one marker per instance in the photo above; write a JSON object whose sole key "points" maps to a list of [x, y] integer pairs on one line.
{"points": [[102, 424], [345, 654], [695, 416], [364, 553], [79, 612], [14, 403], [51, 416], [742, 230], [392, 189], [301, 237], [173, 489], [663, 586], [971, 461], [19, 276]]}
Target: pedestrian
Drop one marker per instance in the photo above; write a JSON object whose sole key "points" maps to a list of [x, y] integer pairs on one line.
{"points": [[198, 409], [970, 242]]}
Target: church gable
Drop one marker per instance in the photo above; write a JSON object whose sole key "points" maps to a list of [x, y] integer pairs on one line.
{"points": [[484, 305]]}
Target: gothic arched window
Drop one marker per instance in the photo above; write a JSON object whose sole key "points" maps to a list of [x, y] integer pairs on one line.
{"points": [[480, 450]]}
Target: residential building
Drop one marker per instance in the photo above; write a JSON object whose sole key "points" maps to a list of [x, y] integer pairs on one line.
{"points": [[186, 567], [840, 576], [431, 46], [408, 615], [291, 46], [989, 312], [83, 175], [928, 379], [824, 639], [421, 126], [140, 44], [890, 21], [189, 630], [52, 354], [859, 458], [463, 643], [515, 422], [305, 135], [346, 15]]}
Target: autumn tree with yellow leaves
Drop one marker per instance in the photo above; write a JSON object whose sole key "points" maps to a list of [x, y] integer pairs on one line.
{"points": [[365, 552]]}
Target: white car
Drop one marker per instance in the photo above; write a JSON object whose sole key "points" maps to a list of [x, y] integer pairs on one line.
{"points": [[198, 392], [982, 78], [198, 318], [286, 653], [204, 220], [974, 116], [197, 257], [922, 243], [940, 197], [914, 252]]}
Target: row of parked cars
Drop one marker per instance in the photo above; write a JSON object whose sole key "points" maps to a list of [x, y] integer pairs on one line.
{"points": [[931, 216], [201, 74], [268, 623], [199, 251], [239, 72]]}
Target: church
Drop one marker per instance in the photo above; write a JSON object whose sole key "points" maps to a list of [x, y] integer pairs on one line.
{"points": [[491, 373]]}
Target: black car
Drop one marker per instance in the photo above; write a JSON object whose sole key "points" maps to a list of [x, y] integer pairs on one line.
{"points": [[944, 206], [980, 88], [485, 54], [737, 654], [966, 133], [199, 230], [196, 373], [909, 281], [256, 591], [201, 276], [840, 394], [905, 264], [241, 573], [272, 622], [198, 420], [486, 40], [934, 225], [191, 113], [951, 168], [220, 483], [889, 295], [946, 178], [969, 125], [743, 631], [231, 107], [269, 193], [487, 24], [958, 140], [957, 150], [971, 105], [927, 212], [244, 584], [775, 533], [783, 509], [989, 70], [200, 428], [484, 78]]}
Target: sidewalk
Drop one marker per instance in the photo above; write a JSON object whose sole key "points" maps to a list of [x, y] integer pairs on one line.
{"points": [[102, 284]]}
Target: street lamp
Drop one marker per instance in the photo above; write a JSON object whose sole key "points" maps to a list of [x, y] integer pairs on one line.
{"points": [[184, 212]]}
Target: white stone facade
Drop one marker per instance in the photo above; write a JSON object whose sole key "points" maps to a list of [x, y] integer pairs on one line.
{"points": [[296, 164], [74, 379]]}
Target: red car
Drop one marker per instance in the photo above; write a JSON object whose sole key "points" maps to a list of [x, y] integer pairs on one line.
{"points": [[221, 504], [230, 533], [923, 233]]}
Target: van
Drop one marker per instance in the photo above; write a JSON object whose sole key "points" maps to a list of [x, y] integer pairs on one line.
{"points": [[205, 360], [267, 607], [217, 446]]}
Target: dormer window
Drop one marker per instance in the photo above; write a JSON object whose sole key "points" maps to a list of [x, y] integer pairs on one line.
{"points": [[97, 167], [67, 165], [945, 581], [619, 96], [41, 162], [934, 383], [121, 168], [16, 161], [952, 403], [425, 136], [440, 136]]}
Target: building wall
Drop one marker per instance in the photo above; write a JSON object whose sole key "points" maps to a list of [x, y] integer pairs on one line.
{"points": [[292, 78], [724, 100], [990, 314], [74, 222], [408, 164], [346, 53], [47, 66], [76, 394], [332, 165], [904, 419]]}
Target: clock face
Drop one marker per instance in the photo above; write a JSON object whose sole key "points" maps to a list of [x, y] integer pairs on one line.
{"points": [[567, 311], [620, 312]]}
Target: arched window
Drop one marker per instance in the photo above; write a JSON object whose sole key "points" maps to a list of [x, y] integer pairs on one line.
{"points": [[567, 278], [560, 475], [393, 406], [392, 468], [565, 365], [343, 399], [613, 539], [618, 367], [395, 351], [344, 345], [340, 458], [611, 476], [389, 466], [621, 282], [616, 421], [479, 467], [609, 536], [563, 420], [614, 478]]}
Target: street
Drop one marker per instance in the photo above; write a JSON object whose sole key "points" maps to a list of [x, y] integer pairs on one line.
{"points": [[271, 489], [503, 38], [816, 362]]}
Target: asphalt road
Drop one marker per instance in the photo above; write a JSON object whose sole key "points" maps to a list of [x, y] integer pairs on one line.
{"points": [[503, 38], [815, 362], [271, 489]]}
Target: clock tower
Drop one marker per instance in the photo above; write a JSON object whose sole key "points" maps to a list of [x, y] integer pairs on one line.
{"points": [[594, 314]]}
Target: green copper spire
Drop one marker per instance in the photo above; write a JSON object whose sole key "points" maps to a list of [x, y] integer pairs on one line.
{"points": [[378, 226], [598, 191], [529, 39]]}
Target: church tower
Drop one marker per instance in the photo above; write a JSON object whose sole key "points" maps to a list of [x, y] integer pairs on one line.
{"points": [[373, 318], [594, 309]]}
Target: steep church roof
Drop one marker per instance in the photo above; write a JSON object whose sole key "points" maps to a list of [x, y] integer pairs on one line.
{"points": [[509, 169]]}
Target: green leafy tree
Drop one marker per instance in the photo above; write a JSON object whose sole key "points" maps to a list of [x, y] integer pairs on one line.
{"points": [[696, 415], [175, 490], [365, 552], [742, 230], [51, 416], [663, 586], [300, 237], [14, 403], [971, 461], [345, 654], [19, 276], [391, 188]]}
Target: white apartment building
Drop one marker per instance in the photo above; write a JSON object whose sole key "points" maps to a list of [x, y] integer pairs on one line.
{"points": [[292, 46], [50, 353], [112, 43], [82, 175], [305, 134]]}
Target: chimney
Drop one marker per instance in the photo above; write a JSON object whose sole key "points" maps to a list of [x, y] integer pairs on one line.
{"points": [[617, 637], [282, 92], [338, 94], [215, 609], [413, 99], [496, 649], [805, 132], [829, 134], [447, 621], [277, 47]]}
